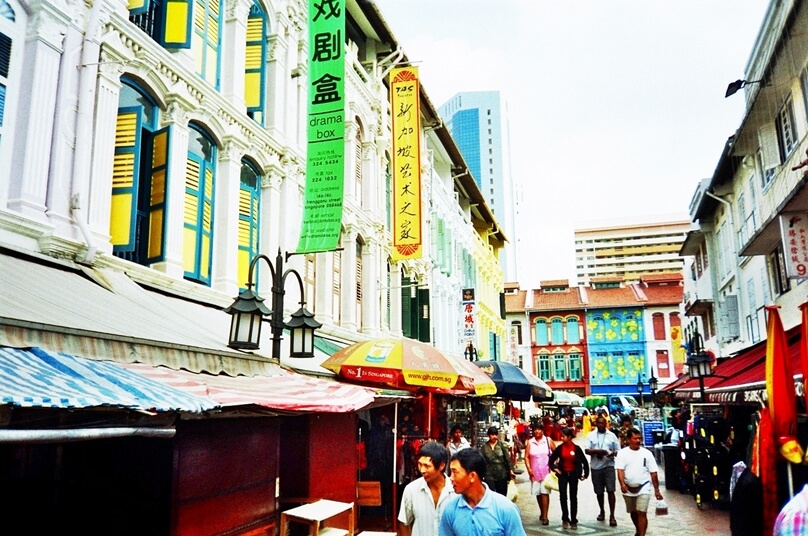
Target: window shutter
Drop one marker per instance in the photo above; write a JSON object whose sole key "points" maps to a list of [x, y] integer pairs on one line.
{"points": [[125, 172], [138, 7], [254, 73], [424, 324], [247, 231], [191, 218], [406, 307], [5, 54], [157, 195], [176, 24]]}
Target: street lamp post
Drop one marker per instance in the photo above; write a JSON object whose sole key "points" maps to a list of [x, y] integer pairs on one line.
{"points": [[653, 384], [639, 389], [699, 363], [248, 312], [470, 352]]}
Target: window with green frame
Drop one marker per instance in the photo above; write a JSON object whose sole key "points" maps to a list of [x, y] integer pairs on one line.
{"points": [[200, 179], [559, 366], [573, 333], [255, 64], [574, 360], [541, 332], [206, 40], [139, 178], [557, 331], [544, 367], [249, 201]]}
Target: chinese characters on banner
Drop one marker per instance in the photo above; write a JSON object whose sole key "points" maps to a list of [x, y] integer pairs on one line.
{"points": [[794, 231], [322, 208], [406, 132], [469, 313]]}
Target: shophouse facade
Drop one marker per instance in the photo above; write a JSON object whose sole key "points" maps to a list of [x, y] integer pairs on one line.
{"points": [[147, 153]]}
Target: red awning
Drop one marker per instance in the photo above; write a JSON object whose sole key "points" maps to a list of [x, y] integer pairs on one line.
{"points": [[740, 379], [285, 391]]}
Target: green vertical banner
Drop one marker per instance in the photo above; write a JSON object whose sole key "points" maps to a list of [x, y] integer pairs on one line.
{"points": [[325, 163]]}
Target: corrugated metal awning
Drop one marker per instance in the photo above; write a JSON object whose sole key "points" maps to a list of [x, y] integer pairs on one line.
{"points": [[283, 391], [37, 378]]}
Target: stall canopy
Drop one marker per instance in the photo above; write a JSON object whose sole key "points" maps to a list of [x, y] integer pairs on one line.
{"points": [[514, 383], [284, 391], [37, 378]]}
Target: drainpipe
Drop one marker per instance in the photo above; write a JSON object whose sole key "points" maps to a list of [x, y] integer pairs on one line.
{"points": [[88, 72]]}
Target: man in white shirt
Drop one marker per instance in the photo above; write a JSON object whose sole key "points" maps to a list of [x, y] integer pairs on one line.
{"points": [[602, 446], [423, 499], [637, 472]]}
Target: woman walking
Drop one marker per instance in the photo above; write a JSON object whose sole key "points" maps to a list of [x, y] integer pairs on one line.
{"points": [[537, 458], [569, 462], [498, 469]]}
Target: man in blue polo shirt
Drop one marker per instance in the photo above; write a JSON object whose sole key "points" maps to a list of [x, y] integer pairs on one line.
{"points": [[476, 510]]}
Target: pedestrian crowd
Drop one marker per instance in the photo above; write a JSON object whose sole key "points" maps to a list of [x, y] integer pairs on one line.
{"points": [[463, 490]]}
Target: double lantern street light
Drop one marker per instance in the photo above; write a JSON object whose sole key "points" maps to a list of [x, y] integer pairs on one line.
{"points": [[653, 384], [699, 363], [248, 312]]}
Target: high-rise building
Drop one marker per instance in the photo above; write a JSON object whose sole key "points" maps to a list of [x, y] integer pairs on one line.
{"points": [[478, 122], [630, 249]]}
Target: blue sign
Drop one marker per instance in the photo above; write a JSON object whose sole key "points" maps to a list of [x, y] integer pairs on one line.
{"points": [[647, 428]]}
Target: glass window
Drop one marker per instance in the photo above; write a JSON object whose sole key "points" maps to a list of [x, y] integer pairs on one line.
{"points": [[658, 320], [557, 332], [573, 332], [559, 367], [544, 367], [541, 332], [575, 367]]}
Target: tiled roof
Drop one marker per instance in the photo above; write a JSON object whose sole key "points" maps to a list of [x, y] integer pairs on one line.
{"points": [[664, 294], [515, 303], [614, 297], [669, 277], [551, 301], [555, 283]]}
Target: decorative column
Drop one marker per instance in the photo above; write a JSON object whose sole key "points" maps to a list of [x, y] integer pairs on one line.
{"points": [[348, 292], [36, 110], [372, 299], [108, 90], [278, 79], [226, 219], [270, 239], [395, 300], [177, 117], [234, 42]]}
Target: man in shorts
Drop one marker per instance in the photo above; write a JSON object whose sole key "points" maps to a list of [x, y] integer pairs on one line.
{"points": [[602, 446], [637, 473]]}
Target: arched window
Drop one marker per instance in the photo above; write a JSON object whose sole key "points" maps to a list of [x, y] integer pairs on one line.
{"points": [[255, 64], [544, 366], [573, 333], [336, 285], [574, 360], [541, 332], [206, 40], [557, 331], [658, 320], [559, 366], [359, 251], [139, 178], [200, 182], [248, 219], [358, 165], [310, 281], [11, 43]]}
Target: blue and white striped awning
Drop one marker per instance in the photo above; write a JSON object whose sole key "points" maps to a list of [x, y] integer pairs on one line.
{"points": [[37, 378]]}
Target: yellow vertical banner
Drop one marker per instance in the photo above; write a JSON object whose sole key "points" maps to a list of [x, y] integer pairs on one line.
{"points": [[406, 133]]}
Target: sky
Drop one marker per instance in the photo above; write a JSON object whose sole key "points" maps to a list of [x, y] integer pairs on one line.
{"points": [[616, 107]]}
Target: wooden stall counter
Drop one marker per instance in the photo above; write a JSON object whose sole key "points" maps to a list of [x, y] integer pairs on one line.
{"points": [[314, 514]]}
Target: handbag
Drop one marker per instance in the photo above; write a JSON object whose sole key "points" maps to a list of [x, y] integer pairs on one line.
{"points": [[551, 481], [513, 491], [661, 508]]}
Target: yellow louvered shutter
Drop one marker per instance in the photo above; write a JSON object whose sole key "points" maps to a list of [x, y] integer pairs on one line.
{"points": [[191, 216], [177, 24], [157, 195], [125, 168]]}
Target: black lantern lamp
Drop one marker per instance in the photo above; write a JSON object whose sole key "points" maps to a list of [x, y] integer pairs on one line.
{"points": [[248, 312], [470, 353], [640, 386], [301, 328], [699, 363], [653, 384]]}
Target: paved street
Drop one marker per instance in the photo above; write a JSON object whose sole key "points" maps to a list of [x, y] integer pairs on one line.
{"points": [[684, 517]]}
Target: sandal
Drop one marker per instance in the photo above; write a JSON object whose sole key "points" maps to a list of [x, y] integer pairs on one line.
{"points": [[612, 522], [601, 517]]}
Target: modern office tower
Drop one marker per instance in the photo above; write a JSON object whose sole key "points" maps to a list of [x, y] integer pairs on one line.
{"points": [[630, 249], [478, 122]]}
